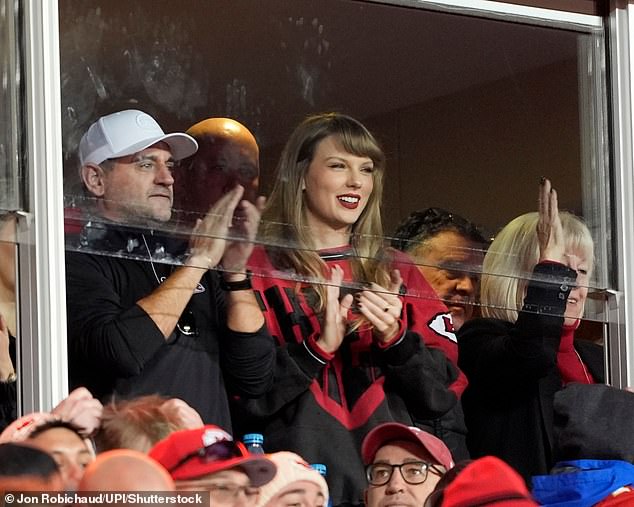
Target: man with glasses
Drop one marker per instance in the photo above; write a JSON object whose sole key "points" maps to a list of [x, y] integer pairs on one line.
{"points": [[403, 465], [207, 459], [147, 314]]}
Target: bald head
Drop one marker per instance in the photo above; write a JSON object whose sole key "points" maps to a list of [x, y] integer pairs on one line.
{"points": [[142, 473], [224, 128], [227, 155]]}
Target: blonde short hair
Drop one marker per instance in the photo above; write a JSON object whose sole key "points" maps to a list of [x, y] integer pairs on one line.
{"points": [[511, 258]]}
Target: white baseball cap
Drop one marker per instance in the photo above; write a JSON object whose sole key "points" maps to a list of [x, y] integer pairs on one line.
{"points": [[128, 132]]}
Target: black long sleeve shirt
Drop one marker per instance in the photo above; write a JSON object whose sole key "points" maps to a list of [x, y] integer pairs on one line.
{"points": [[116, 349]]}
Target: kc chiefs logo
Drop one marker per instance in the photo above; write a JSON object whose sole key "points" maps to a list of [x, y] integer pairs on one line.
{"points": [[443, 325]]}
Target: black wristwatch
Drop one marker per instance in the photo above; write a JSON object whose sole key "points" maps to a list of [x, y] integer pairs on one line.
{"points": [[233, 286]]}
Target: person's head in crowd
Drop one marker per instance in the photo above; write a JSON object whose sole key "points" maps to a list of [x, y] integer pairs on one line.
{"points": [[484, 481], [127, 164], [125, 470], [403, 465], [448, 250], [30, 465], [141, 422], [207, 459], [63, 441], [227, 155], [295, 483], [515, 252]]}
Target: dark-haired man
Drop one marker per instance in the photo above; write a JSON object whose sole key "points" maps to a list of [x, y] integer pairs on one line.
{"points": [[403, 465], [63, 441], [448, 250]]}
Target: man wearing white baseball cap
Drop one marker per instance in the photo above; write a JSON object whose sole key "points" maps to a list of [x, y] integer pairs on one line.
{"points": [[420, 458], [143, 317]]}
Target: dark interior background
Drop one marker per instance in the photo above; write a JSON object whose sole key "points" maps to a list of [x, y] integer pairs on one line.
{"points": [[471, 112]]}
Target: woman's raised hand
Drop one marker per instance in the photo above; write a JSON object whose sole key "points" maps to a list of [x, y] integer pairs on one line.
{"points": [[334, 325], [382, 307], [550, 232]]}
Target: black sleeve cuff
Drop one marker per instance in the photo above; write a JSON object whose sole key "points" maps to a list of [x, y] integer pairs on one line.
{"points": [[399, 353], [307, 360], [548, 291]]}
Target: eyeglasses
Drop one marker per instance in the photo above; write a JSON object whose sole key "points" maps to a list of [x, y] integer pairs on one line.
{"points": [[218, 451], [187, 323], [225, 493], [413, 472]]}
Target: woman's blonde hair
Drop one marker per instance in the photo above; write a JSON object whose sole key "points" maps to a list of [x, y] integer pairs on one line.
{"points": [[285, 217], [511, 258]]}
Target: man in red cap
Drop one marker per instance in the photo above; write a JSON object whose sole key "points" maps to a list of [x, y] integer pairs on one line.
{"points": [[207, 459], [421, 460]]}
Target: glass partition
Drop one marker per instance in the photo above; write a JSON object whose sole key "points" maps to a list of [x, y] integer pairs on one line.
{"points": [[470, 112], [10, 170]]}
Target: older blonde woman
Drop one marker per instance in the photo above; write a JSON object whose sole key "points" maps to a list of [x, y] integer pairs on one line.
{"points": [[534, 288]]}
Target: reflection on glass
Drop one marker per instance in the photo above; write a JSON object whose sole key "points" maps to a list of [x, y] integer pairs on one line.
{"points": [[9, 84]]}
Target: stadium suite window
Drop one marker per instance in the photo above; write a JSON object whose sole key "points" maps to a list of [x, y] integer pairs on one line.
{"points": [[470, 111]]}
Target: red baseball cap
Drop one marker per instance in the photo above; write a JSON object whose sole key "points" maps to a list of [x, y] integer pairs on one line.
{"points": [[388, 432], [487, 481], [190, 454]]}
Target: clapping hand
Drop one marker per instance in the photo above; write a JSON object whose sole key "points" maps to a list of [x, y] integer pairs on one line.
{"points": [[335, 322], [244, 230], [209, 236], [382, 307]]}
